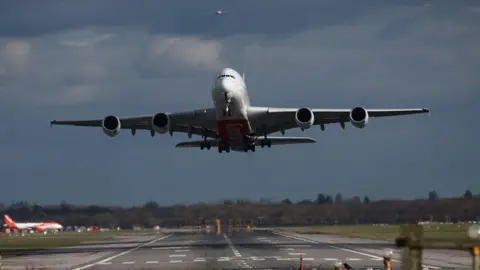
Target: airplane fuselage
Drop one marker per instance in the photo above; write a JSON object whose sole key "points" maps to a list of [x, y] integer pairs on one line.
{"points": [[231, 101]]}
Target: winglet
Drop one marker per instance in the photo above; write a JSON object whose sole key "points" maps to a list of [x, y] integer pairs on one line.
{"points": [[52, 122], [426, 110]]}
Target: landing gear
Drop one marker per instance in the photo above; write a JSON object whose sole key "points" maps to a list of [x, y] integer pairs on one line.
{"points": [[266, 142], [205, 145], [223, 146], [226, 111]]}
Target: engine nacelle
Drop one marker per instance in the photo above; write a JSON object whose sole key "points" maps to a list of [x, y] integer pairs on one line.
{"points": [[304, 118], [359, 117], [161, 123], [111, 126]]}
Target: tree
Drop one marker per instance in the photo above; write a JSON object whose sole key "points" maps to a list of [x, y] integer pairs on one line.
{"points": [[286, 201], [467, 194], [320, 198], [366, 200], [328, 199], [433, 196], [338, 198]]}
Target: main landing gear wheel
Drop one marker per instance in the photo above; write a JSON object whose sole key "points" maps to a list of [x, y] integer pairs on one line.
{"points": [[223, 147], [205, 145], [249, 147], [265, 142]]}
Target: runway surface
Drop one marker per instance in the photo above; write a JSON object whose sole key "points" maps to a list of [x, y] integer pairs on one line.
{"points": [[247, 250]]}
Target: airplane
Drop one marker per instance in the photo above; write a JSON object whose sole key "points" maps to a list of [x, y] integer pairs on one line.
{"points": [[220, 12], [233, 123], [38, 226]]}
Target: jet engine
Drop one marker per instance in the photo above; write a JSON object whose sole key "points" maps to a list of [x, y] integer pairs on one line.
{"points": [[161, 123], [111, 126], [359, 117], [304, 118]]}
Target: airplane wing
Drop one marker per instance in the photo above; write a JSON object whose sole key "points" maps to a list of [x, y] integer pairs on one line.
{"points": [[271, 120], [274, 140], [199, 122]]}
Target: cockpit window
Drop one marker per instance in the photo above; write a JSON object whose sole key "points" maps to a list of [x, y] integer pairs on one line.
{"points": [[225, 76]]}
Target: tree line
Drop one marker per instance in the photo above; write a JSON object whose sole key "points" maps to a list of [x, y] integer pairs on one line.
{"points": [[324, 209]]}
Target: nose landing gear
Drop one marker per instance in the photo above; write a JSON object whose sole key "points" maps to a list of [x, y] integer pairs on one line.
{"points": [[228, 101]]}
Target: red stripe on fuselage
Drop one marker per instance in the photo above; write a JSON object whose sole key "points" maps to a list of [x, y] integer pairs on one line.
{"points": [[233, 131]]}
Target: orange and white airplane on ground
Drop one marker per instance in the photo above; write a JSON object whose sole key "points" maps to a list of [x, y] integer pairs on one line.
{"points": [[38, 226]]}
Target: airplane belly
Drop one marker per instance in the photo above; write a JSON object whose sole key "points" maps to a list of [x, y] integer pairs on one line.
{"points": [[234, 131]]}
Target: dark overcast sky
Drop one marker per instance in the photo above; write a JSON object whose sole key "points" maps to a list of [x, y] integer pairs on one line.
{"points": [[74, 59]]}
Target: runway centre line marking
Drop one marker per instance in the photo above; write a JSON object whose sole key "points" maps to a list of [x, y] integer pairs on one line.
{"points": [[181, 250], [344, 249], [286, 249], [151, 262], [223, 259], [296, 254], [128, 262], [330, 259], [105, 263], [308, 259], [175, 261], [123, 253], [177, 255], [232, 247], [199, 260], [353, 259]]}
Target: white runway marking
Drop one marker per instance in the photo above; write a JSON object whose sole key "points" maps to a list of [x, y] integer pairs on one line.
{"points": [[199, 260], [105, 263], [223, 259], [128, 262], [353, 259], [286, 249], [181, 250], [308, 259], [177, 255], [232, 247], [167, 248], [296, 254], [151, 262], [344, 249], [330, 259], [123, 253], [175, 261]]}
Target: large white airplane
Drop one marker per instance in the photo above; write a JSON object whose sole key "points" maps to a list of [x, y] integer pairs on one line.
{"points": [[38, 226], [233, 124]]}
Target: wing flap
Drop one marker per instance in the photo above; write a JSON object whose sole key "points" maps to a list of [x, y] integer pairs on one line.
{"points": [[274, 140], [288, 140]]}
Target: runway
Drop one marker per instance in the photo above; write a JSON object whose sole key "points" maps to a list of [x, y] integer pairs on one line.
{"points": [[247, 250]]}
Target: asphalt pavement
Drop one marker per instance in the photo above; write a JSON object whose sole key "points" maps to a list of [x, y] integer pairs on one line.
{"points": [[247, 250]]}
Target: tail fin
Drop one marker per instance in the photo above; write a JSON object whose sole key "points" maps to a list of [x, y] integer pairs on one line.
{"points": [[9, 221]]}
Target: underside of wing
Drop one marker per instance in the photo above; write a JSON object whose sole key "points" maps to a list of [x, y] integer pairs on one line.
{"points": [[198, 122], [271, 120]]}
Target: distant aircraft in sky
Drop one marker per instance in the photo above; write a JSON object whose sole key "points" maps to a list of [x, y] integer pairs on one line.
{"points": [[38, 226], [233, 124], [220, 12]]}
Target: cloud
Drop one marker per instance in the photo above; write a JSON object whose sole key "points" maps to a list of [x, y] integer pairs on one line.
{"points": [[93, 60]]}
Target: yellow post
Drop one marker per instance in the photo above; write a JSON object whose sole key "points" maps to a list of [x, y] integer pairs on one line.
{"points": [[475, 254], [338, 266], [219, 229]]}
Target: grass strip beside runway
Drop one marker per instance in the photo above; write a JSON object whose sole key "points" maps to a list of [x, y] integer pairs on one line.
{"points": [[13, 244], [384, 232]]}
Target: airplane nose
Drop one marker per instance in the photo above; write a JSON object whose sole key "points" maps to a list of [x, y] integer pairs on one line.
{"points": [[224, 84]]}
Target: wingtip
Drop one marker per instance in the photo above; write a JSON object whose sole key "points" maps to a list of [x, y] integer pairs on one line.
{"points": [[426, 110]]}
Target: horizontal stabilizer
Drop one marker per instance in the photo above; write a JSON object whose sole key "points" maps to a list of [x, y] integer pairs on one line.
{"points": [[274, 140]]}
